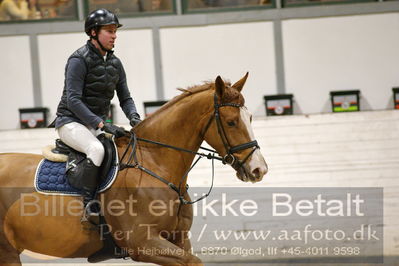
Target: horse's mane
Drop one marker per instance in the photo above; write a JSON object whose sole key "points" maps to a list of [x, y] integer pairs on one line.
{"points": [[207, 85]]}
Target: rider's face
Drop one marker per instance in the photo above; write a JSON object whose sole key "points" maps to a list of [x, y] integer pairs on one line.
{"points": [[107, 36]]}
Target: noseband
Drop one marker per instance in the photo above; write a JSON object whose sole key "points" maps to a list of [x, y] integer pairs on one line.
{"points": [[229, 158]]}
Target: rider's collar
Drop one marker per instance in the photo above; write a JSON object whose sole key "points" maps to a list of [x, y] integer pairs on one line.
{"points": [[95, 50]]}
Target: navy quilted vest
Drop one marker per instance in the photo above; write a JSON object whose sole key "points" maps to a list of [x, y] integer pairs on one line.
{"points": [[100, 82]]}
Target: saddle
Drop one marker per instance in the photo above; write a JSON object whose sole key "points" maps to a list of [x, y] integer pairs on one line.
{"points": [[74, 158]]}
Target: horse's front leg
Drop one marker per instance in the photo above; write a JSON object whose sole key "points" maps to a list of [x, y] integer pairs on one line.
{"points": [[182, 240], [157, 249], [9, 255]]}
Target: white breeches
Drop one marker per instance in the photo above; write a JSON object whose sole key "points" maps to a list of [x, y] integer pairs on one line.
{"points": [[83, 139]]}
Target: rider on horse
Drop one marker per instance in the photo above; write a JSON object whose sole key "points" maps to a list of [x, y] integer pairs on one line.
{"points": [[92, 74]]}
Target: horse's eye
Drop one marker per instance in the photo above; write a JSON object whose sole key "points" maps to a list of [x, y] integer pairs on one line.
{"points": [[231, 123]]}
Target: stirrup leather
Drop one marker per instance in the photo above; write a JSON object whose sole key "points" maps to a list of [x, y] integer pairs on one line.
{"points": [[87, 212]]}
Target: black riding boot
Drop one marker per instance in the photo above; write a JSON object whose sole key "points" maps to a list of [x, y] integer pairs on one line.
{"points": [[89, 187]]}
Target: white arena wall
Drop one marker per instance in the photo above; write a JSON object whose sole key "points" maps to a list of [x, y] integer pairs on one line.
{"points": [[16, 79], [341, 53], [359, 149], [320, 55], [191, 55]]}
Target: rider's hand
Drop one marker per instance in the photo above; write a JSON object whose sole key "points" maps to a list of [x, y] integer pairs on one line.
{"points": [[114, 130], [135, 120]]}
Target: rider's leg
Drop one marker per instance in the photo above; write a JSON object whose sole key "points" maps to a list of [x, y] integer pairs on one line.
{"points": [[84, 140]]}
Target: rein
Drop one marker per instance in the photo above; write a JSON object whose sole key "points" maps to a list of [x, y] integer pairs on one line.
{"points": [[133, 158], [229, 158]]}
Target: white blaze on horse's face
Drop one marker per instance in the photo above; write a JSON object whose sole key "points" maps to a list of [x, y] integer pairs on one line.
{"points": [[256, 167]]}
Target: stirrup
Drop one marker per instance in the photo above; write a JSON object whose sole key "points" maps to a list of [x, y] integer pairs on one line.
{"points": [[87, 212]]}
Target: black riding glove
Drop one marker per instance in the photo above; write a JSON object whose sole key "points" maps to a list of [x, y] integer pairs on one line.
{"points": [[114, 130], [135, 120]]}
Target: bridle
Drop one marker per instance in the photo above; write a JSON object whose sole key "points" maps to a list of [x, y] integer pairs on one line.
{"points": [[229, 158]]}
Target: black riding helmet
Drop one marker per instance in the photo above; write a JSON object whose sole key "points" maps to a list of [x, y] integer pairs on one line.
{"points": [[100, 17]]}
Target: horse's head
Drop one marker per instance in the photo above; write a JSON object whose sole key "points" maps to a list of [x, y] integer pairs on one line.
{"points": [[229, 131]]}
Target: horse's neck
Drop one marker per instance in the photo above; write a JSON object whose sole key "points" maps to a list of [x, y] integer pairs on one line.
{"points": [[180, 125]]}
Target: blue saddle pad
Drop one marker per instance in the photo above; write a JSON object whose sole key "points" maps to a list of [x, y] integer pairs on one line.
{"points": [[51, 179]]}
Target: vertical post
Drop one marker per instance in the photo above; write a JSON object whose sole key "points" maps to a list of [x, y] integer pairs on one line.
{"points": [[81, 10], [179, 7], [279, 55], [278, 4], [34, 58], [158, 63]]}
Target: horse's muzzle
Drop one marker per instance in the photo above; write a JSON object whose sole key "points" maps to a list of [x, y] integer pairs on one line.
{"points": [[253, 170]]}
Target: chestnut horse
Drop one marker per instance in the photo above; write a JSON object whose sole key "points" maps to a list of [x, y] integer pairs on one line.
{"points": [[50, 224]]}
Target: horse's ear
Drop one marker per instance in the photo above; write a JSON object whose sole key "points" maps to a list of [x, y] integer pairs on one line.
{"points": [[240, 84], [219, 87]]}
